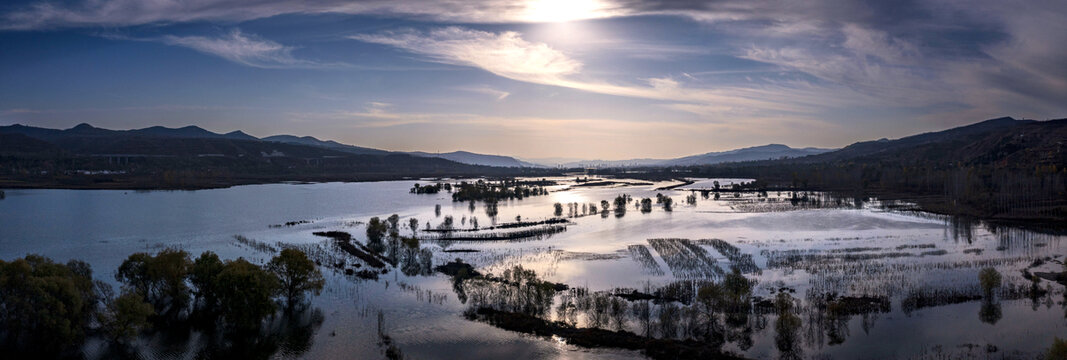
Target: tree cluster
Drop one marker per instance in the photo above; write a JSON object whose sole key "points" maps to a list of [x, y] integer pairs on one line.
{"points": [[47, 309]]}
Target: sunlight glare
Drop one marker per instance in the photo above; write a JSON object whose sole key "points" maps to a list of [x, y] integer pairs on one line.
{"points": [[564, 10]]}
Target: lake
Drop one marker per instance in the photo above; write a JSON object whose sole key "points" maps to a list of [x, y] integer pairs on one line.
{"points": [[914, 273]]}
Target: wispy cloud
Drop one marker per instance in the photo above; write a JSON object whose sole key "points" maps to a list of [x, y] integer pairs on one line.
{"points": [[484, 89], [108, 13], [508, 55], [244, 49], [505, 54]]}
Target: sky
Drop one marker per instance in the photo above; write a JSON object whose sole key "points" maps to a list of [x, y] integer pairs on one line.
{"points": [[588, 79]]}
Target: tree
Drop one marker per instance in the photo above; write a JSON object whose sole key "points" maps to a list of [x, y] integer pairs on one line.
{"points": [[376, 229], [989, 279], [297, 275], [619, 308], [170, 269], [668, 319], [45, 307], [786, 326], [394, 221], [737, 297], [413, 223], [205, 269], [245, 293], [709, 298], [126, 316], [160, 278], [646, 205], [643, 312]]}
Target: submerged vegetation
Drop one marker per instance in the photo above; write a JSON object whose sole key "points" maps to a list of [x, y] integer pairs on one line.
{"points": [[487, 191]]}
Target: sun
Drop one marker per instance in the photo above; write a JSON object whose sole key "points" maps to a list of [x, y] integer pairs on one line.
{"points": [[564, 10]]}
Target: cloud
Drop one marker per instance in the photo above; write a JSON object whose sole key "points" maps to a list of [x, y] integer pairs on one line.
{"points": [[109, 13], [496, 94], [989, 57], [505, 54], [510, 56], [244, 49]]}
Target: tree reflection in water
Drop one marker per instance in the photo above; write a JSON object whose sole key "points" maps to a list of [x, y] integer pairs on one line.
{"points": [[286, 335]]}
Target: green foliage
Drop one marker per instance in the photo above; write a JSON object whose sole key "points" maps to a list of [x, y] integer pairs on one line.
{"points": [[297, 275], [202, 276], [245, 293], [125, 316], [161, 278], [45, 307], [989, 279]]}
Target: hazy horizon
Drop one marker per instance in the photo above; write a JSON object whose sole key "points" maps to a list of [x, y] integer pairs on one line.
{"points": [[582, 79]]}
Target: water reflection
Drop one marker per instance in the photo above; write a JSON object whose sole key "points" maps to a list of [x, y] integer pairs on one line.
{"points": [[286, 335], [851, 268]]}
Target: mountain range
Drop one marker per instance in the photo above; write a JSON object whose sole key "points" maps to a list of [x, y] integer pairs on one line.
{"points": [[764, 152], [83, 137]]}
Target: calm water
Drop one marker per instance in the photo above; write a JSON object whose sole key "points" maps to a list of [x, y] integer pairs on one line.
{"points": [[794, 247]]}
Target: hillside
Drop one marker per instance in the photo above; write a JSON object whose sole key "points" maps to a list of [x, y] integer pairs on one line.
{"points": [[191, 157], [1003, 169], [328, 144], [477, 159], [765, 152]]}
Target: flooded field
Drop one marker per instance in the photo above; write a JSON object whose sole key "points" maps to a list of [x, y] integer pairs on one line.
{"points": [[757, 274]]}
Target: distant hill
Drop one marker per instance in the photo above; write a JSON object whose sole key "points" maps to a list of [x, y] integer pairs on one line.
{"points": [[612, 163], [194, 158], [329, 144], [21, 144], [159, 140], [1003, 140], [466, 157], [191, 131], [765, 152], [1002, 169]]}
